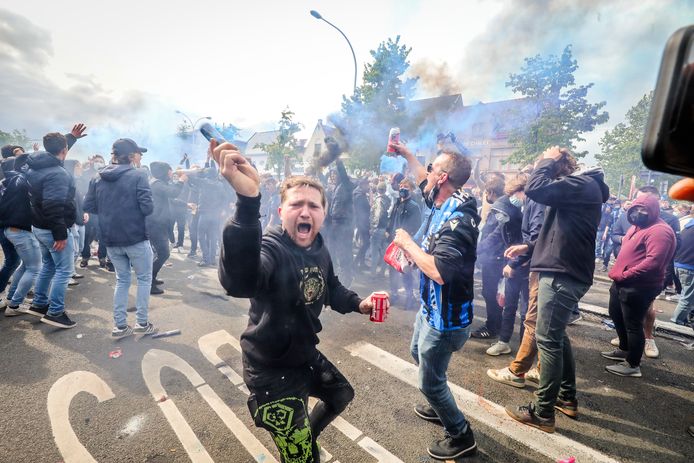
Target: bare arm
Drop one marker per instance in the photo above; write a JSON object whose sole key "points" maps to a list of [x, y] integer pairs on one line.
{"points": [[418, 170]]}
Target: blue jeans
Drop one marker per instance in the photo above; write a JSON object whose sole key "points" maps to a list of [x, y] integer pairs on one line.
{"points": [[57, 268], [208, 234], [686, 302], [78, 233], [28, 250], [11, 261], [558, 294], [139, 256], [432, 350]]}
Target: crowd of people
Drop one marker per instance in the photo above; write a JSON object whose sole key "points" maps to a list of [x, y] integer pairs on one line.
{"points": [[294, 247]]}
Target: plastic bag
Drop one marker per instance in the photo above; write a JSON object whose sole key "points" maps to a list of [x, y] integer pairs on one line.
{"points": [[501, 293], [396, 258]]}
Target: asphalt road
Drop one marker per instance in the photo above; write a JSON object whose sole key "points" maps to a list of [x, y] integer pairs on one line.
{"points": [[179, 399]]}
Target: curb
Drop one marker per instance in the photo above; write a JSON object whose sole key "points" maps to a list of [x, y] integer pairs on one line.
{"points": [[667, 327]]}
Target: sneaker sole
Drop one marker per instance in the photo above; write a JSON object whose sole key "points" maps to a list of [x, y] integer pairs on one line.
{"points": [[428, 418], [14, 313], [532, 382], [462, 453], [505, 381], [36, 314], [59, 325], [630, 375], [496, 354], [547, 429], [651, 356], [573, 414], [613, 357]]}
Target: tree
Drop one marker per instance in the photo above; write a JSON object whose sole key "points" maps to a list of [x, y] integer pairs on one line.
{"points": [[283, 151], [16, 137], [562, 111], [378, 104], [621, 149]]}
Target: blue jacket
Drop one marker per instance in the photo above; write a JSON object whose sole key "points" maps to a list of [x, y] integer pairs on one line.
{"points": [[122, 198], [52, 192], [684, 258]]}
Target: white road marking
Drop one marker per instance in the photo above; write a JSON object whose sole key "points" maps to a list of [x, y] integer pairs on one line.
{"points": [[59, 397], [553, 446], [152, 363], [222, 337]]}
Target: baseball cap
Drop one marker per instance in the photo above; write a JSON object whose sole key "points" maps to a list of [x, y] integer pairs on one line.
{"points": [[124, 146]]}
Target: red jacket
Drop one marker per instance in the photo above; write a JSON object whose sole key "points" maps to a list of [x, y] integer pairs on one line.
{"points": [[646, 252]]}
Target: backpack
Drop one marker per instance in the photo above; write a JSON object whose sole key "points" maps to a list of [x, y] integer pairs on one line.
{"points": [[13, 192]]}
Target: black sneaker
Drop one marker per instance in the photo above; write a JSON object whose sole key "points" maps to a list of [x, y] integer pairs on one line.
{"points": [[453, 447], [38, 310], [109, 266], [61, 321], [144, 329], [425, 412], [77, 276], [84, 263], [158, 282], [483, 333], [119, 333], [155, 290]]}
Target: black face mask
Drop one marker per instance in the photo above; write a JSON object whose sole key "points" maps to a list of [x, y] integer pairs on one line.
{"points": [[488, 200], [639, 219], [404, 193]]}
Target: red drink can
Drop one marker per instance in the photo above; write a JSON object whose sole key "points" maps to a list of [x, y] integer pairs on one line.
{"points": [[380, 310], [393, 137]]}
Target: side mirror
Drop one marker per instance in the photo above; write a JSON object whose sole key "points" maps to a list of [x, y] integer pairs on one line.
{"points": [[668, 144]]}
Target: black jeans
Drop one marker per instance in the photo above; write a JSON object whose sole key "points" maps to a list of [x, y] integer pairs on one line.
{"points": [[491, 275], [515, 287], [91, 233], [279, 404], [193, 230], [628, 307], [208, 232], [340, 245], [179, 224], [11, 261], [159, 239]]}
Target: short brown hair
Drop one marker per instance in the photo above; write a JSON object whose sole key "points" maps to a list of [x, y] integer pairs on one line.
{"points": [[407, 182], [299, 181], [567, 164], [516, 184], [496, 186], [54, 142], [457, 166]]}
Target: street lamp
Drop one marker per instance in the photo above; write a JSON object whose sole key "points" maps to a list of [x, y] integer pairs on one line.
{"points": [[317, 15], [192, 124]]}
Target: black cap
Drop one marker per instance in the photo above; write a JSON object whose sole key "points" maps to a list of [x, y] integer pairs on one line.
{"points": [[125, 146]]}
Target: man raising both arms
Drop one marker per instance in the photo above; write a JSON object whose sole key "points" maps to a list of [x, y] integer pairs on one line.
{"points": [[288, 276]]}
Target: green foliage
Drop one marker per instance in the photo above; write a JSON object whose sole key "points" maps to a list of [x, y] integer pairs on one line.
{"points": [[184, 129], [283, 151], [15, 137], [621, 149], [563, 111], [378, 104]]}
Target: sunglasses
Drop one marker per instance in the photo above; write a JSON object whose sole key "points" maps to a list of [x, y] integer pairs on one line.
{"points": [[430, 169]]}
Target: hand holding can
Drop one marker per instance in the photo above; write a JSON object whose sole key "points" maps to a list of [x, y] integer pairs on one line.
{"points": [[393, 137], [381, 305]]}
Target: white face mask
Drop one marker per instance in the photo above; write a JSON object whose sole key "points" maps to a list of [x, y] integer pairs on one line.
{"points": [[515, 200], [98, 165]]}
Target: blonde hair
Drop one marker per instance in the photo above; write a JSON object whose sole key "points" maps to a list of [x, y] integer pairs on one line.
{"points": [[516, 184], [299, 181]]}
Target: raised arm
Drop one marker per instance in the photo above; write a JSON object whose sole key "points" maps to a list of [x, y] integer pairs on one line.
{"points": [[417, 169]]}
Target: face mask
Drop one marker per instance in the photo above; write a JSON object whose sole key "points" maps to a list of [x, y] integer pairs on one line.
{"points": [[431, 198], [516, 201], [404, 193], [639, 219], [98, 165], [489, 201]]}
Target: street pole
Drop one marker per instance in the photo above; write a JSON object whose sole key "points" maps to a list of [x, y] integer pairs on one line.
{"points": [[317, 15], [192, 124]]}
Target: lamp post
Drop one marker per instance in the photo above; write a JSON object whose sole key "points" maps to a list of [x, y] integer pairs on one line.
{"points": [[192, 124], [317, 15]]}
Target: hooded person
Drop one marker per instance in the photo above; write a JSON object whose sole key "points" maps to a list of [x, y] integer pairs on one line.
{"points": [[638, 276], [211, 201], [159, 222], [122, 197], [91, 228], [74, 168], [564, 256]]}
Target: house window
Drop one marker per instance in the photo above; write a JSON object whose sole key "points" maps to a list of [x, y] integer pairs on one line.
{"points": [[317, 149]]}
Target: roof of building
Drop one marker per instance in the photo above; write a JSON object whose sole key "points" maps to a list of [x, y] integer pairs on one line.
{"points": [[260, 138]]}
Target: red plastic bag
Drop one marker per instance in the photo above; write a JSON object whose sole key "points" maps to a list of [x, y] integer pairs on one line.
{"points": [[501, 293], [396, 258]]}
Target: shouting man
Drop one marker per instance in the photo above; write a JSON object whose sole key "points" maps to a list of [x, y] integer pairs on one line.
{"points": [[289, 277]]}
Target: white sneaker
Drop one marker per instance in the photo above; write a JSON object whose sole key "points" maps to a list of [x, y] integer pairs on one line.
{"points": [[506, 377], [3, 303], [650, 349], [615, 341], [533, 376], [499, 348], [13, 312]]}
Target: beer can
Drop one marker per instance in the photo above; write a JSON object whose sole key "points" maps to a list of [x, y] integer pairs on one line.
{"points": [[380, 309], [393, 137]]}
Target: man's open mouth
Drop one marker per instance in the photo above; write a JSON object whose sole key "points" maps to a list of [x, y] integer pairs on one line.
{"points": [[304, 228]]}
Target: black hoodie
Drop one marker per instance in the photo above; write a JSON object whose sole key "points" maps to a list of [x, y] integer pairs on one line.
{"points": [[567, 239], [501, 230], [162, 191], [52, 194], [15, 208], [121, 196], [288, 287]]}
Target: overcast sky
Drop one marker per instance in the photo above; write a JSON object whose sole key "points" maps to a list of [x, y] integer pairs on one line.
{"points": [[125, 66]]}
